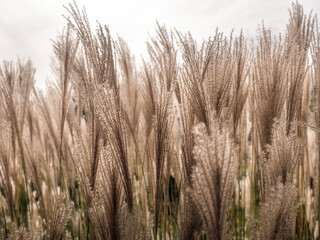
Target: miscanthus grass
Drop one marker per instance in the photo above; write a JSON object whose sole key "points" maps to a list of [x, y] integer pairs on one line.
{"points": [[216, 139]]}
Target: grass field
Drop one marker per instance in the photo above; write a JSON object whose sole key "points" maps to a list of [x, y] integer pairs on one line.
{"points": [[217, 139]]}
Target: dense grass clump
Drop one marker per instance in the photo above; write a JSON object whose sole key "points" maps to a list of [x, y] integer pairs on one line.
{"points": [[210, 140]]}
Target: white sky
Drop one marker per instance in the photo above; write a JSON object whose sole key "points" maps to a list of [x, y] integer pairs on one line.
{"points": [[26, 26]]}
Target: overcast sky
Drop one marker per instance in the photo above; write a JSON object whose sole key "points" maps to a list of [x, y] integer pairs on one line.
{"points": [[26, 26]]}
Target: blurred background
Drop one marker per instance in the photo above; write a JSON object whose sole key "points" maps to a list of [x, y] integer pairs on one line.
{"points": [[27, 26]]}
